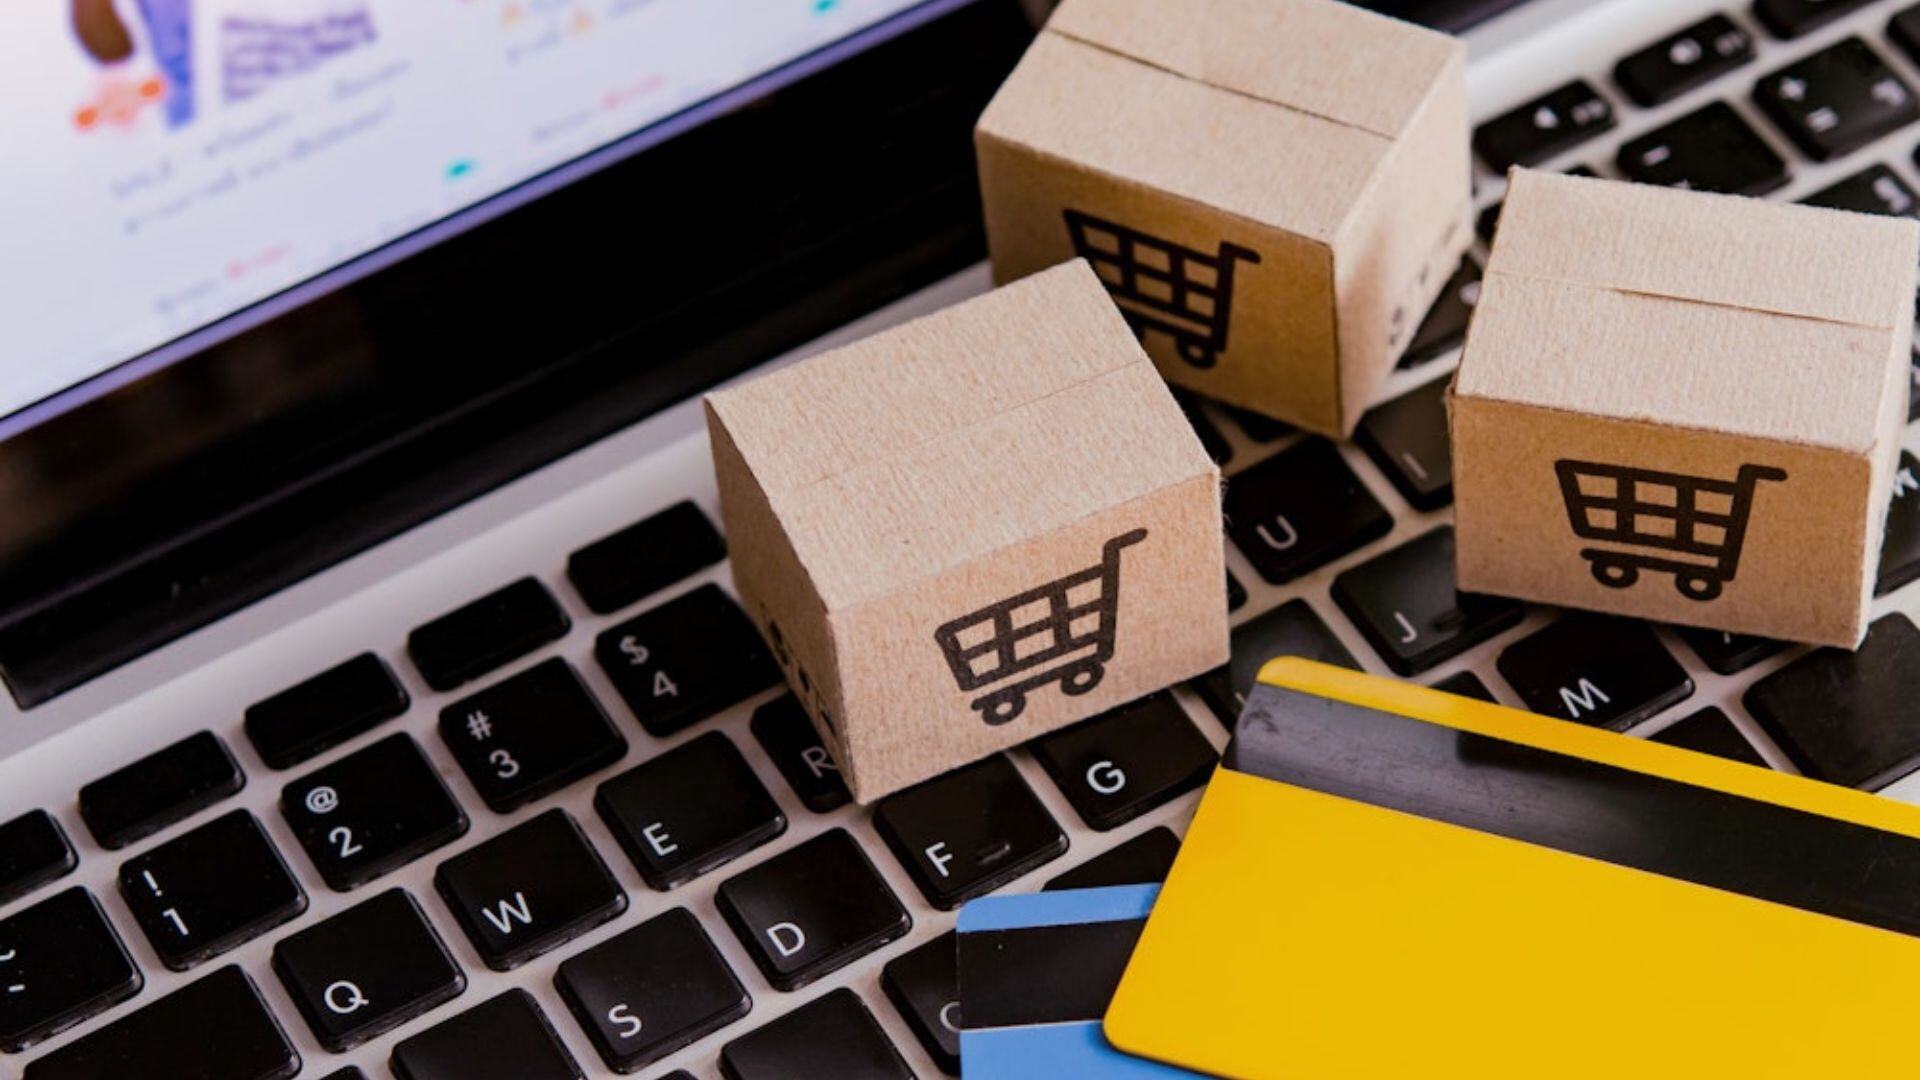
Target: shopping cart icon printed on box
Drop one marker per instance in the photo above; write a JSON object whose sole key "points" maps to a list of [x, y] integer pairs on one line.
{"points": [[1161, 286], [1692, 527], [1061, 632]]}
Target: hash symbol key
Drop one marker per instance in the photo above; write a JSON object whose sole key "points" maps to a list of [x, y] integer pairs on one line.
{"points": [[531, 735]]}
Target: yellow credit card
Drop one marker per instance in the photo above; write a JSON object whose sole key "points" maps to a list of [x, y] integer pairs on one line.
{"points": [[1387, 881]]}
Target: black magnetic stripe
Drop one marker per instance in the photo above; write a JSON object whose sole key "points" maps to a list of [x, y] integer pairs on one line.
{"points": [[1582, 807], [1043, 974]]}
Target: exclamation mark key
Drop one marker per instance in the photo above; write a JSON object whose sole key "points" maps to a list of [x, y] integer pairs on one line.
{"points": [[210, 890]]}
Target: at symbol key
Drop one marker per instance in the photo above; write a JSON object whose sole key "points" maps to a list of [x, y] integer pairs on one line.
{"points": [[373, 811]]}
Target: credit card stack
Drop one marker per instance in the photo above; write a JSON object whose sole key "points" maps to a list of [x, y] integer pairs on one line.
{"points": [[1386, 881], [1036, 973]]}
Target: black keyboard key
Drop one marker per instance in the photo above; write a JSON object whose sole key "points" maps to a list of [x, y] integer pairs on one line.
{"points": [[1445, 326], [1793, 18], [505, 1038], [160, 789], [1143, 860], [527, 737], [1407, 438], [1848, 717], [371, 812], [651, 990], [1486, 224], [33, 851], [924, 985], [1726, 653], [367, 970], [1545, 127], [218, 1028], [1127, 761], [1236, 593], [644, 558], [966, 833], [1900, 549], [529, 890], [690, 810], [210, 890], [470, 641], [1709, 149], [1594, 669], [1873, 190], [686, 660], [1682, 61], [1905, 32], [1214, 443], [324, 711], [811, 910], [1837, 100], [1292, 629], [833, 1035], [1466, 684], [1261, 429], [60, 964], [1405, 603], [786, 733], [1710, 732], [1299, 510], [1913, 386]]}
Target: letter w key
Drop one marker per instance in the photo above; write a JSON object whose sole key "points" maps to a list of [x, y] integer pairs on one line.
{"points": [[529, 890]]}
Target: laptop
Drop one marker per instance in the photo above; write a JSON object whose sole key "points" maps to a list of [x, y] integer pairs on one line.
{"points": [[378, 704]]}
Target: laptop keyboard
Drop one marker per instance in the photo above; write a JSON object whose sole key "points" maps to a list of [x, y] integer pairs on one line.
{"points": [[602, 790]]}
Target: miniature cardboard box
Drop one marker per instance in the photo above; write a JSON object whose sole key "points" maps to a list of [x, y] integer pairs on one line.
{"points": [[973, 528], [1274, 191], [1682, 406]]}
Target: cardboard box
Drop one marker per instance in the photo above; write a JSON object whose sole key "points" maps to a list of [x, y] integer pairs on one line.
{"points": [[1685, 407], [972, 529], [1275, 191]]}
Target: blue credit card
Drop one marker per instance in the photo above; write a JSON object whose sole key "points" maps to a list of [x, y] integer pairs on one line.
{"points": [[1036, 974]]}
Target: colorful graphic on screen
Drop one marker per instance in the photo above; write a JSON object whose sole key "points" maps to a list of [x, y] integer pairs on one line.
{"points": [[170, 162]]}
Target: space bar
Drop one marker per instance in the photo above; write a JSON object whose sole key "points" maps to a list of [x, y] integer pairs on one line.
{"points": [[215, 1029]]}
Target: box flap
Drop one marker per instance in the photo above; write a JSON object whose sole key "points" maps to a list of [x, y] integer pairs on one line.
{"points": [[927, 378], [1713, 249], [1328, 59], [1147, 126], [1704, 312], [952, 436]]}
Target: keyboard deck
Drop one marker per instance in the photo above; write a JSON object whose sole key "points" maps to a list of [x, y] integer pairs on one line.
{"points": [[535, 806]]}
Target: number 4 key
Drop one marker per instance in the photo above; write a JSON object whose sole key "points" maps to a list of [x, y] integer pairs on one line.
{"points": [[685, 660]]}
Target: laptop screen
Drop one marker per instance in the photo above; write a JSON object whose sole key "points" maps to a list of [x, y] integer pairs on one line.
{"points": [[168, 165]]}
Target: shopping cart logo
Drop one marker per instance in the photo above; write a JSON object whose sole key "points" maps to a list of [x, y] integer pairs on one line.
{"points": [[1161, 286], [1692, 527], [1061, 632]]}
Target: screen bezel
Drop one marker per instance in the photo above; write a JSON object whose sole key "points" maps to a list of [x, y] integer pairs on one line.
{"points": [[214, 480]]}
